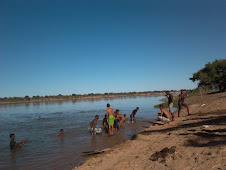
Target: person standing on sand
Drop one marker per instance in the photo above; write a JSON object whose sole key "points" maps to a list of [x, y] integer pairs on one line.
{"points": [[181, 102], [110, 119], [132, 115], [170, 103], [165, 115]]}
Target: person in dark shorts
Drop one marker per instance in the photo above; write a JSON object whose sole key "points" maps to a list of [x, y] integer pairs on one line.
{"points": [[105, 124], [116, 120], [13, 144], [182, 103], [170, 103], [132, 115]]}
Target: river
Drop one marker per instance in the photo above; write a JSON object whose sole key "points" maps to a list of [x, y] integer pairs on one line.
{"points": [[46, 149]]}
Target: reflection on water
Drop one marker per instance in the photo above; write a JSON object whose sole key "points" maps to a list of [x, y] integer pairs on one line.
{"points": [[46, 148]]}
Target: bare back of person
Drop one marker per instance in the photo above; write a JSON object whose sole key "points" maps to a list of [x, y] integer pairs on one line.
{"points": [[165, 116], [93, 123], [109, 112], [167, 113], [121, 118], [110, 119]]}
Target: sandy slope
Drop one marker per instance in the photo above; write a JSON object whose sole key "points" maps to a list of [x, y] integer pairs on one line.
{"points": [[197, 141]]}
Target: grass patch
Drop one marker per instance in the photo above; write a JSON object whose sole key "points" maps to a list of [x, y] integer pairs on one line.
{"points": [[200, 90]]}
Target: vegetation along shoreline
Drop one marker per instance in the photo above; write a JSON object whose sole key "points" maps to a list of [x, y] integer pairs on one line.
{"points": [[51, 98]]}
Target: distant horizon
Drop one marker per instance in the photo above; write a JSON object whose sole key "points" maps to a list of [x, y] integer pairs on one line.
{"points": [[94, 93], [65, 47]]}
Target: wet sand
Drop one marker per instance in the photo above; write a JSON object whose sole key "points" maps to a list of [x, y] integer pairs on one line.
{"points": [[197, 141]]}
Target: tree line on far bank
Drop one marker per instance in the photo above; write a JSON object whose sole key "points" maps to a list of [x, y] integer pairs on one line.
{"points": [[75, 96]]}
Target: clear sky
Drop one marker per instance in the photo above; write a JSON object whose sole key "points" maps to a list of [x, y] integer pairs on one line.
{"points": [[80, 46]]}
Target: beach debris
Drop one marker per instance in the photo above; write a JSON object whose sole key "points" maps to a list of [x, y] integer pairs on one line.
{"points": [[163, 154], [88, 153], [206, 126], [96, 130], [168, 167], [134, 137], [203, 105], [215, 166]]}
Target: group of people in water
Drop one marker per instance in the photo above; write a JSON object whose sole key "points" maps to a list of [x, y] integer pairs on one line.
{"points": [[115, 120], [112, 120]]}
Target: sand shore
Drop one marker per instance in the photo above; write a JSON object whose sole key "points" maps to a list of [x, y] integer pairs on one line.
{"points": [[194, 142]]}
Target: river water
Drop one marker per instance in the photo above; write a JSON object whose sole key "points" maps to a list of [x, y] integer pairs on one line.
{"points": [[48, 150]]}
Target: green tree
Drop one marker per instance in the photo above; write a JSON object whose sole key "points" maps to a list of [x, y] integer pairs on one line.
{"points": [[59, 96], [35, 97], [27, 98], [212, 74]]}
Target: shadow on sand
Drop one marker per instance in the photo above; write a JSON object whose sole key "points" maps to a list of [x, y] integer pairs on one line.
{"points": [[205, 138]]}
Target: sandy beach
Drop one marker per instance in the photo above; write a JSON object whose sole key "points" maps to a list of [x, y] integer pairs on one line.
{"points": [[193, 142]]}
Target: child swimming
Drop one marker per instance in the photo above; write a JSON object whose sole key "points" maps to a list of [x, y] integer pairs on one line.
{"points": [[61, 132]]}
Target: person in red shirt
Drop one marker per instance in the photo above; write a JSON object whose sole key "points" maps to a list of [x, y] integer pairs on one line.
{"points": [[181, 102]]}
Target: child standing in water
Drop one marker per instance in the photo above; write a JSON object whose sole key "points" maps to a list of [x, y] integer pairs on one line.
{"points": [[13, 144], [122, 119], [116, 120], [132, 115], [105, 124], [110, 118], [93, 124]]}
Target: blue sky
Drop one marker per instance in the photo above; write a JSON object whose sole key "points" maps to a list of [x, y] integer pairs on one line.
{"points": [[64, 47]]}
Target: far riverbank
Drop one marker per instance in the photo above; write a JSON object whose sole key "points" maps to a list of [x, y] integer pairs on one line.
{"points": [[28, 99]]}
